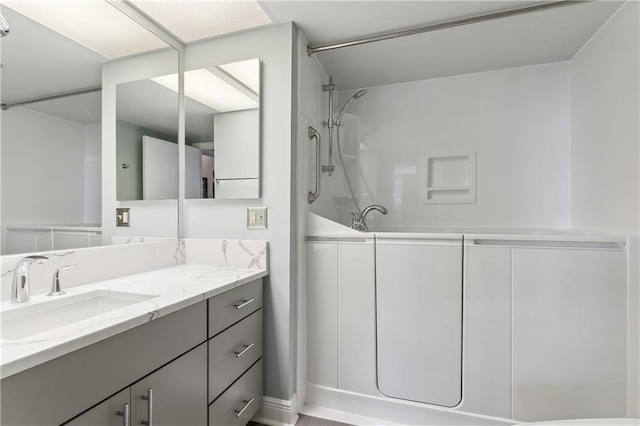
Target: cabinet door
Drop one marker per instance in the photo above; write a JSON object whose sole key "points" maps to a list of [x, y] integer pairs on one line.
{"points": [[419, 319], [174, 395], [569, 334], [108, 413]]}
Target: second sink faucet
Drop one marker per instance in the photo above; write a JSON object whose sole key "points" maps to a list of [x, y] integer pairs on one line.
{"points": [[20, 290], [358, 222], [55, 285]]}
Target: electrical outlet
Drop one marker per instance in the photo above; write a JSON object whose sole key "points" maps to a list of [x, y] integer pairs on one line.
{"points": [[256, 218], [122, 216]]}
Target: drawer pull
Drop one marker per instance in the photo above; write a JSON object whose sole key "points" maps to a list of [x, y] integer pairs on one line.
{"points": [[242, 410], [242, 352], [243, 303], [149, 398], [125, 414]]}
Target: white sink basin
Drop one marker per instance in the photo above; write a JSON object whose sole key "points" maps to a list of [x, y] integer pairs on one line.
{"points": [[34, 318]]}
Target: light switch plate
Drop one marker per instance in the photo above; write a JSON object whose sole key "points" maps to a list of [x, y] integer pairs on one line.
{"points": [[256, 218], [122, 216]]}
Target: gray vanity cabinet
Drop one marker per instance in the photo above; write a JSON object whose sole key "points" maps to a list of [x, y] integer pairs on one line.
{"points": [[235, 355], [199, 365], [110, 412], [174, 395]]}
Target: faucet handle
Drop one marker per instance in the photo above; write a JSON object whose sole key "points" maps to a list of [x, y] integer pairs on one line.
{"points": [[55, 285]]}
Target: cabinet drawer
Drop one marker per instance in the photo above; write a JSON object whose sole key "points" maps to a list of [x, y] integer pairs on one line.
{"points": [[233, 351], [230, 307], [240, 402]]}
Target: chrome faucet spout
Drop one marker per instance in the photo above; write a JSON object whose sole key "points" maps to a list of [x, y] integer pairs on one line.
{"points": [[359, 220], [20, 290], [378, 207]]}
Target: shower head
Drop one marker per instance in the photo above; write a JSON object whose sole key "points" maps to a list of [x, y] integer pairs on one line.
{"points": [[358, 95], [4, 26]]}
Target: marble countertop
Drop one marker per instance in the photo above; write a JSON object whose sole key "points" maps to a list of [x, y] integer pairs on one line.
{"points": [[171, 288]]}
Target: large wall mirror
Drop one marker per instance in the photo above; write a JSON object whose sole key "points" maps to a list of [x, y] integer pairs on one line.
{"points": [[51, 137], [146, 141], [222, 106]]}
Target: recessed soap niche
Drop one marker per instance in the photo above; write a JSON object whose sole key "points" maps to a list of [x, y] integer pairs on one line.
{"points": [[449, 178]]}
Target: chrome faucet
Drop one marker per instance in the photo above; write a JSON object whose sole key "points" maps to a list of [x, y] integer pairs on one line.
{"points": [[358, 221], [55, 285], [20, 291]]}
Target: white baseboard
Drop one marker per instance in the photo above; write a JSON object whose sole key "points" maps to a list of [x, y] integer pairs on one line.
{"points": [[277, 412], [366, 410]]}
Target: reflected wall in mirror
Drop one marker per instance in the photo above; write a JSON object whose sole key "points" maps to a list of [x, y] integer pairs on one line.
{"points": [[146, 141], [51, 145], [222, 105]]}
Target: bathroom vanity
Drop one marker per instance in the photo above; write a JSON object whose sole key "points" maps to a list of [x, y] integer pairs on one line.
{"points": [[189, 353]]}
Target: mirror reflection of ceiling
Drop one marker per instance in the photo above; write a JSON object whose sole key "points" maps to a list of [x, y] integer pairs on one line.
{"points": [[37, 61], [51, 49], [223, 88]]}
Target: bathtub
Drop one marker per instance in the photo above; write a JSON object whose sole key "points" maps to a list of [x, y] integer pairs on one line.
{"points": [[436, 326]]}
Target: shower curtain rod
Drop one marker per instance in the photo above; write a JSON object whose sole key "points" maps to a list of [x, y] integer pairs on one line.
{"points": [[444, 25], [51, 97]]}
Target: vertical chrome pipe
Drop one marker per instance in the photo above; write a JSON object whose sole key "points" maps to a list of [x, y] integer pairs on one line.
{"points": [[312, 196], [329, 123]]}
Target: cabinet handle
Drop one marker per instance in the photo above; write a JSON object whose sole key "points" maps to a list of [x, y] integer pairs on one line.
{"points": [[149, 398], [242, 352], [125, 414], [242, 410], [243, 303]]}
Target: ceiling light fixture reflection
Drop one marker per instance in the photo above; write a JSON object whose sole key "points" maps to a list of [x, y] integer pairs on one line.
{"points": [[93, 24], [196, 20], [208, 89], [246, 72]]}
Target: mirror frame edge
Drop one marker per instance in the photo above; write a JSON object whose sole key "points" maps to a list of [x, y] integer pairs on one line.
{"points": [[136, 15]]}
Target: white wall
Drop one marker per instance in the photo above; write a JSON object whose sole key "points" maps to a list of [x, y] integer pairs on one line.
{"points": [[312, 107], [42, 169], [604, 142], [226, 219], [605, 148], [148, 218], [516, 120], [93, 173]]}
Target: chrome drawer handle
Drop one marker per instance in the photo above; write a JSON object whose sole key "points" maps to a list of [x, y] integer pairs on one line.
{"points": [[243, 303], [242, 410], [125, 414], [149, 398], [242, 352]]}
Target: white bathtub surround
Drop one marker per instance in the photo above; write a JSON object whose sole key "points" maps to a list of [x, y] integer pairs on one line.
{"points": [[30, 238], [166, 285], [502, 342], [516, 122], [230, 253]]}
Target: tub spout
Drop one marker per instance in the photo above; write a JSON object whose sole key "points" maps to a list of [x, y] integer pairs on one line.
{"points": [[359, 220]]}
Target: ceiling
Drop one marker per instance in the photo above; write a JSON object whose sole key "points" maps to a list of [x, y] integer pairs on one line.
{"points": [[534, 38], [38, 61]]}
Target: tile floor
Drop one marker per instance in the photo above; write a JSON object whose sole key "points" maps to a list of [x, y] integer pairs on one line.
{"points": [[310, 421]]}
